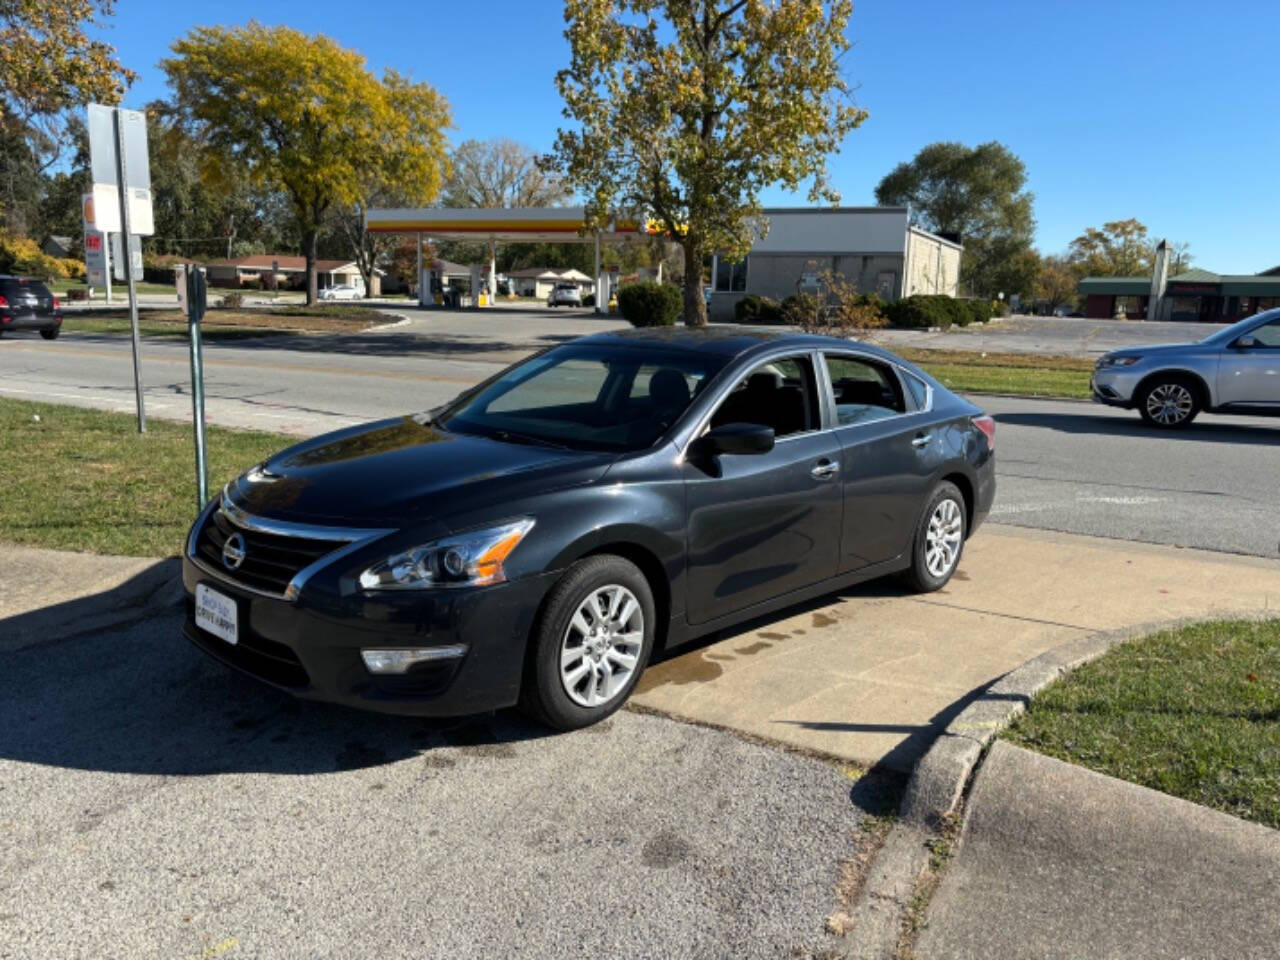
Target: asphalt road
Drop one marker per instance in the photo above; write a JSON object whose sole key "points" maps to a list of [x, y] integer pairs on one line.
{"points": [[1067, 466], [154, 804]]}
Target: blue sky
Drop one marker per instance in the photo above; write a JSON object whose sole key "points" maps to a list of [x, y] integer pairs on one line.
{"points": [[1167, 111]]}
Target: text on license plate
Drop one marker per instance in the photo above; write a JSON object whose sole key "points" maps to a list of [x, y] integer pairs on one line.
{"points": [[216, 613]]}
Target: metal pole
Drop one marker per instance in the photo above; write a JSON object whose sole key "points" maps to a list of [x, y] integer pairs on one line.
{"points": [[598, 278], [195, 307], [422, 295], [126, 225]]}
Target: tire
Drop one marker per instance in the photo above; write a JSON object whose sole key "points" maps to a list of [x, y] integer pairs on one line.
{"points": [[572, 696], [51, 334], [1169, 403], [943, 526]]}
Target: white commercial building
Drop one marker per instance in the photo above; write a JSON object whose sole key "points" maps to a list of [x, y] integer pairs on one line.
{"points": [[874, 248]]}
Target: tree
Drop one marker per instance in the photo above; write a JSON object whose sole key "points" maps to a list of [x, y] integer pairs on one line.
{"points": [[978, 195], [409, 176], [1120, 249], [50, 65], [687, 109], [500, 173], [292, 112], [1056, 284]]}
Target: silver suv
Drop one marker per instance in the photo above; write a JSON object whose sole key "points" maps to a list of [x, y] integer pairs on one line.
{"points": [[565, 295], [1236, 370]]}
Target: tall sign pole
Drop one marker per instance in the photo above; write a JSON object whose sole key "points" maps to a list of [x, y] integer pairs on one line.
{"points": [[126, 224], [193, 296]]}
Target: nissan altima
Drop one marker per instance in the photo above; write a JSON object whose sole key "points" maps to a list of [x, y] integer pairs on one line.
{"points": [[536, 539]]}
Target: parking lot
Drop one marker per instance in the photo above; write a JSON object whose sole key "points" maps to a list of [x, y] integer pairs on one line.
{"points": [[154, 804]]}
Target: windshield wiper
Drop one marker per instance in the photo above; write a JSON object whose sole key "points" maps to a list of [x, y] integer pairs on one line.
{"points": [[512, 437]]}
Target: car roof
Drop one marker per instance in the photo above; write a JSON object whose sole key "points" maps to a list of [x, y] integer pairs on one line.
{"points": [[729, 341]]}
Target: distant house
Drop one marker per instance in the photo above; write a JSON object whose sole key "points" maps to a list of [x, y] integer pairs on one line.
{"points": [[540, 281], [59, 247], [291, 271]]}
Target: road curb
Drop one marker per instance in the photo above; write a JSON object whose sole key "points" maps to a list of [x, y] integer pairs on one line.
{"points": [[939, 779]]}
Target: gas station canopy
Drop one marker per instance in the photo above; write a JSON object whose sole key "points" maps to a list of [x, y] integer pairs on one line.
{"points": [[516, 225]]}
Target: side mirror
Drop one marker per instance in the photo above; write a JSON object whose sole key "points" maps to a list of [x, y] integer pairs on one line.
{"points": [[1247, 342], [739, 438]]}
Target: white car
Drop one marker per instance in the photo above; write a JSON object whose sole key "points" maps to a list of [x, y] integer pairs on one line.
{"points": [[565, 295], [344, 292]]}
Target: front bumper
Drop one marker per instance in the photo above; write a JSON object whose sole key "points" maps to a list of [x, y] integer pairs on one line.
{"points": [[1113, 386], [311, 646]]}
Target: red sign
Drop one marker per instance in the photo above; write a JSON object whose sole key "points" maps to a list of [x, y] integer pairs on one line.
{"points": [[93, 241]]}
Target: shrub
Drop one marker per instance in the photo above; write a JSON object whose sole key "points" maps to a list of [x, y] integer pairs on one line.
{"points": [[918, 312], [232, 300], [251, 283], [980, 311], [756, 309], [589, 300], [650, 304]]}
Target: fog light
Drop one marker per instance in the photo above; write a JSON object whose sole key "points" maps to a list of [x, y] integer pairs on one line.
{"points": [[399, 661]]}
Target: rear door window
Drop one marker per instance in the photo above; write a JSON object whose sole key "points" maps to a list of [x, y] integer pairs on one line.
{"points": [[864, 390]]}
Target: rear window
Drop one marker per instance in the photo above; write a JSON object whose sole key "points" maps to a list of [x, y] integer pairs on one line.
{"points": [[23, 288]]}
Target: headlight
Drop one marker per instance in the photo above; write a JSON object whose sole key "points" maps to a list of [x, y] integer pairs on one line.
{"points": [[473, 559], [1109, 361]]}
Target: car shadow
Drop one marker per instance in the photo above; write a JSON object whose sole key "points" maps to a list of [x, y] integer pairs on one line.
{"points": [[1201, 431], [142, 700]]}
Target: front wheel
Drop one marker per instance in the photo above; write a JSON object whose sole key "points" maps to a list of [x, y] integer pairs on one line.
{"points": [[939, 540], [1169, 404], [51, 334], [590, 644]]}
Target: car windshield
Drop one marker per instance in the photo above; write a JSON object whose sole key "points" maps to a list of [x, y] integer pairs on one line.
{"points": [[586, 397], [1240, 327]]}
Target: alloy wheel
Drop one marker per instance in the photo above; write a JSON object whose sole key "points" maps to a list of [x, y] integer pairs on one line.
{"points": [[942, 542], [601, 646], [1169, 404]]}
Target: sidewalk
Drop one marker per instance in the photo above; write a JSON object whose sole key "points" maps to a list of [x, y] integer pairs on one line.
{"points": [[1059, 861], [52, 594], [873, 675]]}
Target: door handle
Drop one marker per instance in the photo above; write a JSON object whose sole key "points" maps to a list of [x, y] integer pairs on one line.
{"points": [[921, 440], [825, 470]]}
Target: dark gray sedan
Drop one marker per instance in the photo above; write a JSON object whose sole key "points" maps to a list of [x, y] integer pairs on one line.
{"points": [[1235, 370], [536, 539]]}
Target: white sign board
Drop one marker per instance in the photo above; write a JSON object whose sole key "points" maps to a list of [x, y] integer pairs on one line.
{"points": [[117, 256], [106, 180]]}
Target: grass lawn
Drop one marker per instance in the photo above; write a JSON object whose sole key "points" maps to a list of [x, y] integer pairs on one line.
{"points": [[1029, 375], [230, 324], [119, 289], [1193, 712], [87, 480]]}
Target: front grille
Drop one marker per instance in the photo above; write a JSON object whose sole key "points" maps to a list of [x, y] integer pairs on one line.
{"points": [[270, 560]]}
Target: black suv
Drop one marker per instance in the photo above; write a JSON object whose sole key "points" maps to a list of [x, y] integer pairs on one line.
{"points": [[28, 305]]}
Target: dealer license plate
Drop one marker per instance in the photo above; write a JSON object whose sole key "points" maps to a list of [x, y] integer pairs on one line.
{"points": [[216, 613]]}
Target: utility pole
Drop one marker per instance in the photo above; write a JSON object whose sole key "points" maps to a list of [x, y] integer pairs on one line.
{"points": [[231, 232]]}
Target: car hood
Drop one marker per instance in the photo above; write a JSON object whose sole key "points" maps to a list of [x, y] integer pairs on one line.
{"points": [[1157, 349], [402, 472]]}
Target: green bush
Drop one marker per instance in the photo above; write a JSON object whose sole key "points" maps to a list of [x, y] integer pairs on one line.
{"points": [[650, 304], [756, 309], [919, 312], [232, 300], [589, 300]]}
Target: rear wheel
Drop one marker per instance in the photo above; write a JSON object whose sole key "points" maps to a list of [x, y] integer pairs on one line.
{"points": [[591, 643], [1169, 403], [51, 334], [939, 540]]}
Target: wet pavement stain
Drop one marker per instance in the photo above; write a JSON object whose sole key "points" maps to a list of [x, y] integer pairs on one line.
{"points": [[821, 620], [765, 635], [434, 761], [691, 668], [720, 656], [958, 575], [747, 650], [664, 850]]}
